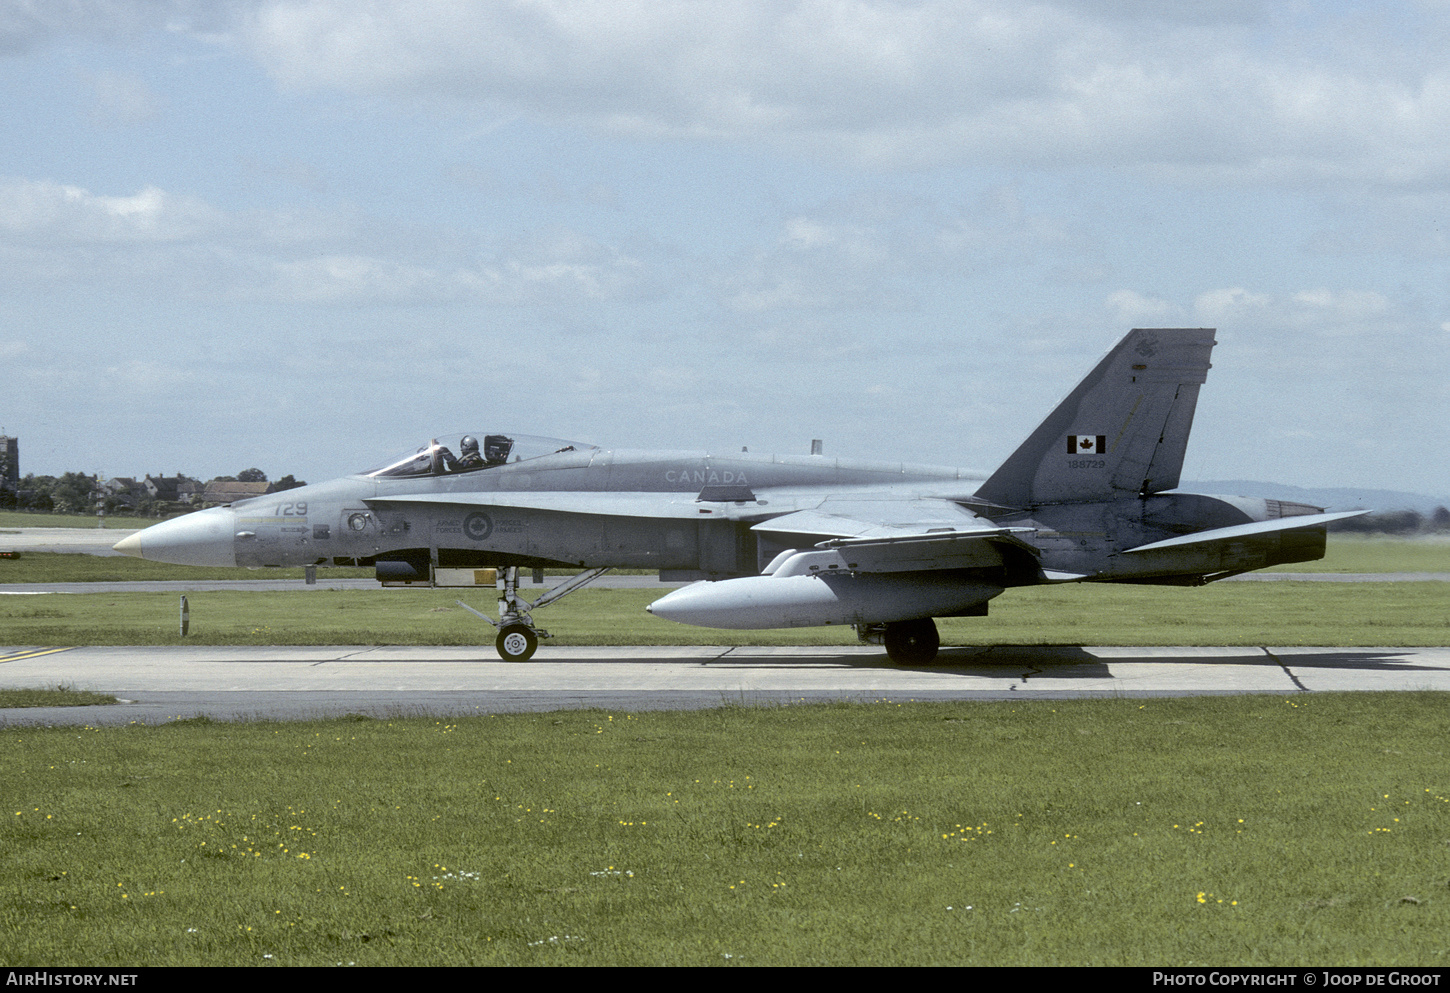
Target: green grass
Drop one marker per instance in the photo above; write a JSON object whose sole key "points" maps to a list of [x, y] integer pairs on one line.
{"points": [[1208, 831], [1356, 553], [1346, 553], [47, 567], [22, 519], [61, 696], [1282, 613]]}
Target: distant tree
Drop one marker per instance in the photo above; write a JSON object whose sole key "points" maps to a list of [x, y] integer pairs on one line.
{"points": [[252, 475], [1440, 519], [73, 493], [34, 493], [288, 483], [224, 479]]}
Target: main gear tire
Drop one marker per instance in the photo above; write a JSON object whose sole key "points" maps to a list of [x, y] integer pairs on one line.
{"points": [[912, 642]]}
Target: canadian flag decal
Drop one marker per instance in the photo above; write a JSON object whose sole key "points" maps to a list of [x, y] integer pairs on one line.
{"points": [[1086, 444]]}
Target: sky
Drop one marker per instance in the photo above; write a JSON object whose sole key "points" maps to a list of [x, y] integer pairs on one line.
{"points": [[307, 235]]}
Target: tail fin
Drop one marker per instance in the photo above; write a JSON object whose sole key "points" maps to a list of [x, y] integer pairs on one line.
{"points": [[1121, 432]]}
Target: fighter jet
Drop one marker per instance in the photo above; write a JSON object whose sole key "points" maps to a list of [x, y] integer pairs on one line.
{"points": [[777, 541]]}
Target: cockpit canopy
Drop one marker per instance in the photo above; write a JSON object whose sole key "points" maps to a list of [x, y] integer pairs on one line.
{"points": [[476, 450]]}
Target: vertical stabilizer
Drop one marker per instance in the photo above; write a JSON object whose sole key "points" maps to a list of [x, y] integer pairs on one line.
{"points": [[1121, 432]]}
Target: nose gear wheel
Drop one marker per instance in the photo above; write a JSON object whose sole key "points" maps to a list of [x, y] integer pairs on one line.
{"points": [[516, 643]]}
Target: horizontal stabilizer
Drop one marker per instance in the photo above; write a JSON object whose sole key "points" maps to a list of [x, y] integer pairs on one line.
{"points": [[1248, 530]]}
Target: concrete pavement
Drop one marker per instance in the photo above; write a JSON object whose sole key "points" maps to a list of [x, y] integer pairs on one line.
{"points": [[288, 683]]}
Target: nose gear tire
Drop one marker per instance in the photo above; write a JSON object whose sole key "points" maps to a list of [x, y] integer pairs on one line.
{"points": [[516, 643]]}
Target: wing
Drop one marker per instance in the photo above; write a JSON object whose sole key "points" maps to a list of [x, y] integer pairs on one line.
{"points": [[862, 561], [887, 536]]}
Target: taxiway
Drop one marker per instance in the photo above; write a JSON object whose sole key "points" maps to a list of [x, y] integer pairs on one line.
{"points": [[294, 683]]}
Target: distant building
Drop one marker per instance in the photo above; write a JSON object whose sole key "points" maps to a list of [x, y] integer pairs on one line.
{"points": [[161, 487], [124, 490], [174, 489], [189, 490], [9, 462]]}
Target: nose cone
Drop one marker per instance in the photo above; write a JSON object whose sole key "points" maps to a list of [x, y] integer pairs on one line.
{"points": [[203, 538]]}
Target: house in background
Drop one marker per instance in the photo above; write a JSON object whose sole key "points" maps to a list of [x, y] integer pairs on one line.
{"points": [[123, 491], [173, 489]]}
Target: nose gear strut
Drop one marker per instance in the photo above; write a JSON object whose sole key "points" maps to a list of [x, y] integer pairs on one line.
{"points": [[517, 637]]}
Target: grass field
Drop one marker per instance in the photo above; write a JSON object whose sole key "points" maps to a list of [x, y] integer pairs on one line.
{"points": [[1252, 830], [1345, 553], [1208, 831], [20, 519], [60, 696], [46, 567], [1356, 553], [1282, 613]]}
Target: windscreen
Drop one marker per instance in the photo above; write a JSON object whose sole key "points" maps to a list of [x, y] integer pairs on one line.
{"points": [[471, 452]]}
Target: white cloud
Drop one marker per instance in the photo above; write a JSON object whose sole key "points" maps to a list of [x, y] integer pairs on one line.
{"points": [[1215, 305], [1230, 92], [1132, 307], [815, 262], [50, 212], [882, 251], [26, 24], [556, 266], [1220, 92], [144, 375], [1346, 303], [1308, 319], [349, 278], [55, 232], [122, 98], [1299, 374]]}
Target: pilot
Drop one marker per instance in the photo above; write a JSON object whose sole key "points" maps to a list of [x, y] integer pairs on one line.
{"points": [[468, 457]]}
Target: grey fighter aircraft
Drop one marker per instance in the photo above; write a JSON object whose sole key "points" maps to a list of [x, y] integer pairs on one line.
{"points": [[791, 541]]}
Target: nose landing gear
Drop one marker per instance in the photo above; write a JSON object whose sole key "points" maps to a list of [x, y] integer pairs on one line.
{"points": [[518, 638]]}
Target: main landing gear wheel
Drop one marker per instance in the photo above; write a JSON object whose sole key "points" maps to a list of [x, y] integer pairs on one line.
{"points": [[516, 643], [911, 642]]}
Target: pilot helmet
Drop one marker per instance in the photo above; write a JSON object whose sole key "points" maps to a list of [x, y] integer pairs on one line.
{"points": [[469, 445]]}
